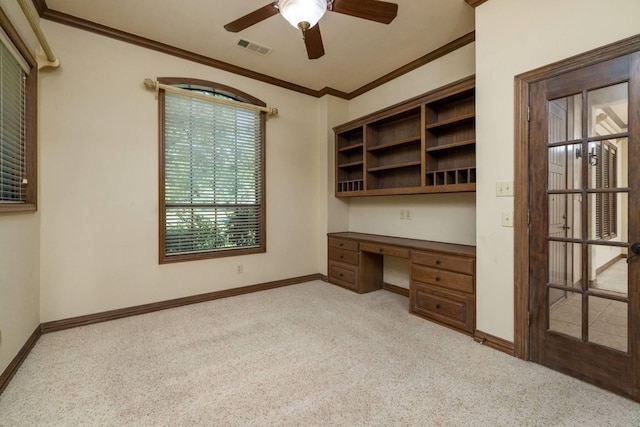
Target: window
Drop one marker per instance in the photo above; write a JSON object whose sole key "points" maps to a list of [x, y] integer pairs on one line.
{"points": [[606, 203], [212, 186], [17, 123]]}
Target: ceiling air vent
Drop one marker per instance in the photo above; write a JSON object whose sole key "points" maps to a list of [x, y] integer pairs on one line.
{"points": [[253, 47]]}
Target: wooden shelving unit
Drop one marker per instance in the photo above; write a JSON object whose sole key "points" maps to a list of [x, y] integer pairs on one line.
{"points": [[350, 161], [423, 145]]}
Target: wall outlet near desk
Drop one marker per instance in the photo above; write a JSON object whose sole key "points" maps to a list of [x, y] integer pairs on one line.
{"points": [[507, 219], [405, 214], [239, 269]]}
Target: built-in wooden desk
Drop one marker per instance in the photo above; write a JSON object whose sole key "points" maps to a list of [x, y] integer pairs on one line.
{"points": [[442, 280]]}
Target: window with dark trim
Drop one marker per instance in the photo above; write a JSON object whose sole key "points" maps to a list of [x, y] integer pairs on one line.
{"points": [[606, 203], [212, 173], [18, 80]]}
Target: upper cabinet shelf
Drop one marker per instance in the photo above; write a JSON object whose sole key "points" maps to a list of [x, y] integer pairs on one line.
{"points": [[423, 145], [452, 121]]}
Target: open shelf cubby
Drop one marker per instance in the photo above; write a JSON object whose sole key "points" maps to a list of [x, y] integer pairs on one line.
{"points": [[423, 145], [350, 160]]}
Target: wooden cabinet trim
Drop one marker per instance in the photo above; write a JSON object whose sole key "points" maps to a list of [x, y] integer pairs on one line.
{"points": [[343, 255], [343, 275], [423, 145], [449, 308], [443, 278], [442, 261], [396, 251], [466, 251]]}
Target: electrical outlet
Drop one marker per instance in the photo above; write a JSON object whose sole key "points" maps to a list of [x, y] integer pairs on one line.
{"points": [[504, 189], [405, 214], [507, 219], [239, 269]]}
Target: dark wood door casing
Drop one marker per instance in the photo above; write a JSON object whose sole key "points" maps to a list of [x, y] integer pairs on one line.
{"points": [[608, 66], [522, 169]]}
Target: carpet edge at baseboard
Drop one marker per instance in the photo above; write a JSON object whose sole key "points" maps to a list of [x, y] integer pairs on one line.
{"points": [[14, 365], [58, 325], [73, 322], [494, 342]]}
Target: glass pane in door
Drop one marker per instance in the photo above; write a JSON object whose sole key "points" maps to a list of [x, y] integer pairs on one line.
{"points": [[565, 312], [609, 110], [609, 217], [565, 119], [565, 167], [608, 163], [608, 270], [564, 216], [608, 323]]}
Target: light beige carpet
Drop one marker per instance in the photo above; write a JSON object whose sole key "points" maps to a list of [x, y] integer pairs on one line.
{"points": [[309, 354]]}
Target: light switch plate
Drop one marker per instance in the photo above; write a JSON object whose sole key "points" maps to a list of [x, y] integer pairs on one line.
{"points": [[504, 189]]}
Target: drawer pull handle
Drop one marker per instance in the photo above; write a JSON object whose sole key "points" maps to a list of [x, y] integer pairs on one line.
{"points": [[437, 279], [341, 256], [437, 305], [341, 274], [438, 262], [341, 244], [381, 250]]}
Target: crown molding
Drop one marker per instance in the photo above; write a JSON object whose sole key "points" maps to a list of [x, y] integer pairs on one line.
{"points": [[475, 3], [83, 24], [429, 57]]}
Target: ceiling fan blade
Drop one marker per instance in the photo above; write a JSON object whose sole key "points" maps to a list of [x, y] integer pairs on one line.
{"points": [[313, 42], [373, 10], [252, 18]]}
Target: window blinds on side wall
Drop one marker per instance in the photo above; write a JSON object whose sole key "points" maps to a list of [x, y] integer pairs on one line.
{"points": [[12, 128], [213, 176]]}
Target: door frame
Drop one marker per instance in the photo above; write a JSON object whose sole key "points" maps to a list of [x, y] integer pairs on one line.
{"points": [[522, 171]]}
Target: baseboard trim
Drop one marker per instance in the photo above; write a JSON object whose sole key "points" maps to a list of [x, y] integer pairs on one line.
{"points": [[73, 322], [396, 289], [494, 342], [608, 264], [11, 370]]}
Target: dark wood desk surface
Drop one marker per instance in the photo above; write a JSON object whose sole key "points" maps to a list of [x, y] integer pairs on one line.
{"points": [[426, 245]]}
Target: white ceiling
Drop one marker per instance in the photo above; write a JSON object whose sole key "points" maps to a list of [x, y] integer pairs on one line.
{"points": [[357, 51]]}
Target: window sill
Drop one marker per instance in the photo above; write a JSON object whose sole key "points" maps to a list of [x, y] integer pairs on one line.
{"points": [[10, 208], [169, 259]]}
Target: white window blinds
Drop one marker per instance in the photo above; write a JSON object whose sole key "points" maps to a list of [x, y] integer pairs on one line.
{"points": [[213, 176], [12, 128]]}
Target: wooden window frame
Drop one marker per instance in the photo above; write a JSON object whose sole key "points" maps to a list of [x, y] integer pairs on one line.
{"points": [[236, 94], [31, 119]]}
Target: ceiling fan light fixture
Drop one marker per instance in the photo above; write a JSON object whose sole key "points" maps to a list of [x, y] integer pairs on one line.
{"points": [[298, 12]]}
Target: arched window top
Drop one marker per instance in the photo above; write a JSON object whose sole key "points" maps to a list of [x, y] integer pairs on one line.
{"points": [[212, 88]]}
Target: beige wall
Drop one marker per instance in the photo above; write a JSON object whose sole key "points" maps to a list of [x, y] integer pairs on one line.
{"points": [[512, 37], [333, 212], [99, 202], [19, 253]]}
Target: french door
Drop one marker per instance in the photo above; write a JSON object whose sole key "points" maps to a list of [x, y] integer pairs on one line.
{"points": [[584, 206]]}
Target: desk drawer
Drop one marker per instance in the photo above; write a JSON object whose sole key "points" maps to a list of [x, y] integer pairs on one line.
{"points": [[385, 249], [350, 245], [441, 261], [450, 308], [343, 275], [342, 255], [442, 278]]}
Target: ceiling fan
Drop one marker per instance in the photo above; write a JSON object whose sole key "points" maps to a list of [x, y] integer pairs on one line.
{"points": [[305, 14]]}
